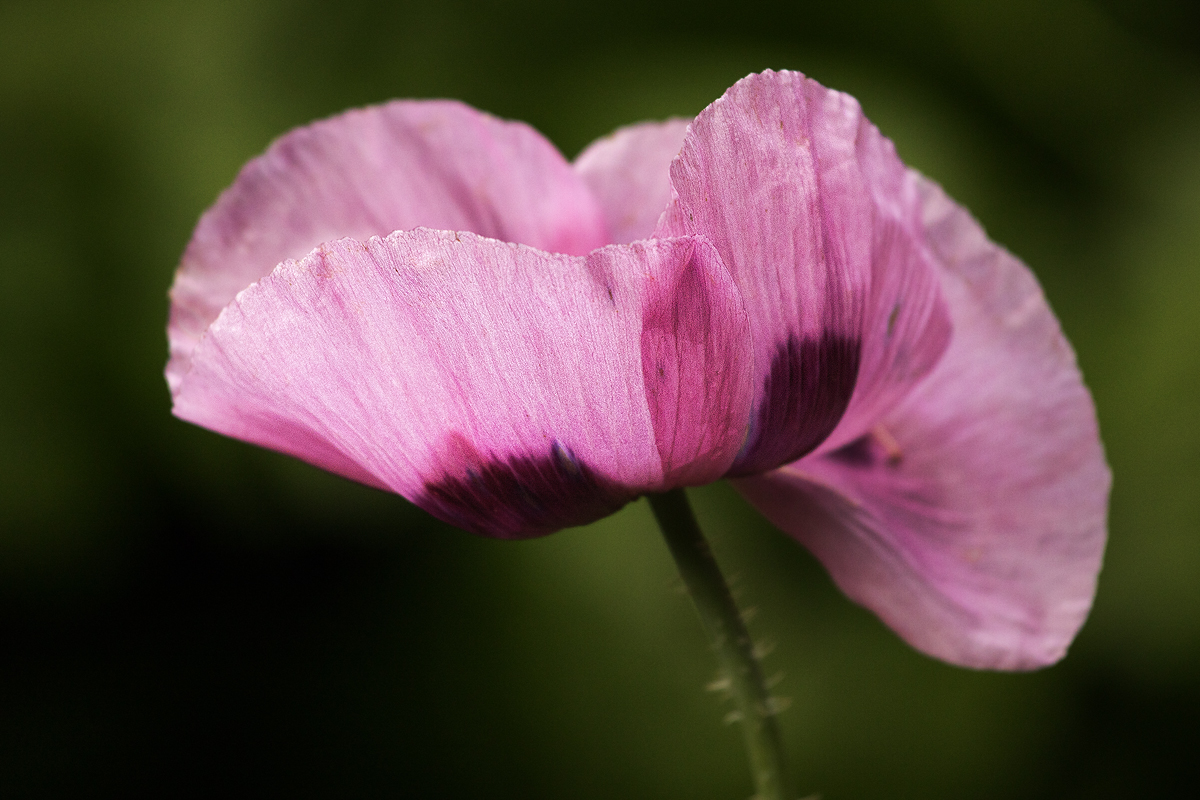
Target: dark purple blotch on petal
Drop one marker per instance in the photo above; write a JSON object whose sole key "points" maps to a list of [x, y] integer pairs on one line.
{"points": [[804, 396], [524, 496]]}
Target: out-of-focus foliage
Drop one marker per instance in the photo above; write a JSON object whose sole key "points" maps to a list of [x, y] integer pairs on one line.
{"points": [[184, 614]]}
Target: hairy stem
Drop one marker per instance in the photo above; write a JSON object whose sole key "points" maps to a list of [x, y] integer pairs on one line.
{"points": [[729, 638]]}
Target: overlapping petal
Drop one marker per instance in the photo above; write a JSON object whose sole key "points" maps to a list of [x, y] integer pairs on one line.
{"points": [[817, 219], [434, 164], [628, 172], [972, 520], [507, 390]]}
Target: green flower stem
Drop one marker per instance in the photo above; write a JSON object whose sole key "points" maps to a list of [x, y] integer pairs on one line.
{"points": [[730, 640]]}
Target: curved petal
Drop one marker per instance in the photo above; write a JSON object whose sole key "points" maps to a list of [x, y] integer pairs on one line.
{"points": [[368, 172], [497, 386], [972, 521], [628, 172], [696, 368], [815, 216]]}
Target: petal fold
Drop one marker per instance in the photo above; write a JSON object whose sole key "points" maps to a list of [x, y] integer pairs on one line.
{"points": [[497, 386], [368, 172], [972, 519], [814, 215], [628, 172], [696, 362]]}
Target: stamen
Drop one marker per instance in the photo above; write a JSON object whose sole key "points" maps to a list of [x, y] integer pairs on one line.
{"points": [[889, 444]]}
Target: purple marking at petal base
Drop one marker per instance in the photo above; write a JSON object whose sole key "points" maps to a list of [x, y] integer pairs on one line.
{"points": [[804, 396], [521, 496]]}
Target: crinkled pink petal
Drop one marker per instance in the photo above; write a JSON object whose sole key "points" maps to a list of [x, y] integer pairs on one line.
{"points": [[368, 172], [499, 387], [628, 172], [816, 218], [972, 520]]}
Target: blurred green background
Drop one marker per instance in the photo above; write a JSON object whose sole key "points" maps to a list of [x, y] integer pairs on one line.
{"points": [[182, 614]]}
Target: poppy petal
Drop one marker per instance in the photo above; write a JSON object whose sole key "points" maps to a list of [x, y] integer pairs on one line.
{"points": [[809, 207], [972, 520], [368, 172], [628, 172], [498, 386]]}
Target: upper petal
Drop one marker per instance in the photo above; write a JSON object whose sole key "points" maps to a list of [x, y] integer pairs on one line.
{"points": [[498, 386], [973, 520], [368, 172], [815, 216], [628, 172]]}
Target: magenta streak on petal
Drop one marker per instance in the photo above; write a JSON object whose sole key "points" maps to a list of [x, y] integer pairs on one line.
{"points": [[521, 496], [695, 366]]}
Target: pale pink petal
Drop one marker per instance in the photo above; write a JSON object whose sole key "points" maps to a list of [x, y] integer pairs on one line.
{"points": [[497, 386], [814, 215], [628, 172], [972, 521], [433, 164]]}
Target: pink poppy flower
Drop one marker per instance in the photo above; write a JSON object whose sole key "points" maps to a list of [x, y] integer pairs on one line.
{"points": [[518, 344]]}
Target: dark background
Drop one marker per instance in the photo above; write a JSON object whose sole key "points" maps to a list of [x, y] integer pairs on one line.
{"points": [[182, 614]]}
